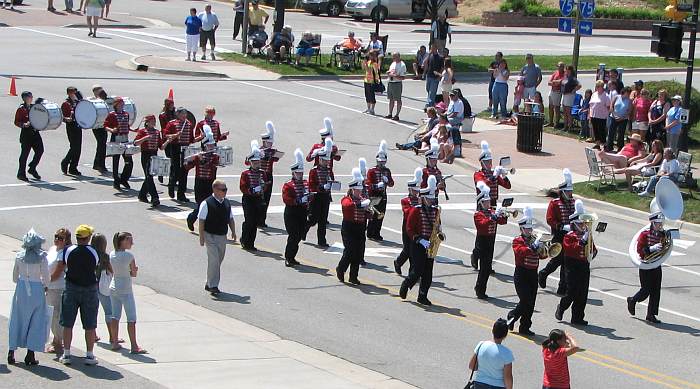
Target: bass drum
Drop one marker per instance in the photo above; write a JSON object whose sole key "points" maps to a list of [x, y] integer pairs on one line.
{"points": [[91, 113], [45, 116], [129, 107]]}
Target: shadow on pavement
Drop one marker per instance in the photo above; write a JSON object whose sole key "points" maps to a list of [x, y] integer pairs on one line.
{"points": [[439, 309], [229, 298], [49, 373], [601, 331], [381, 268], [680, 328], [4, 369]]}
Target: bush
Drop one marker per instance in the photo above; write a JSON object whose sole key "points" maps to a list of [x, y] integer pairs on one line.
{"points": [[536, 8], [541, 10], [676, 88]]}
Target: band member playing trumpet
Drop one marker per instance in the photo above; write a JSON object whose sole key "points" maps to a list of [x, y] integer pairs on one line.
{"points": [[558, 213], [214, 124], [648, 243], [320, 181], [527, 259], [29, 139], [185, 136], [326, 133], [117, 123], [252, 185], [407, 203], [486, 222], [100, 135], [355, 214], [267, 161], [378, 179], [205, 164], [431, 168], [578, 270], [296, 198], [69, 163], [150, 140]]}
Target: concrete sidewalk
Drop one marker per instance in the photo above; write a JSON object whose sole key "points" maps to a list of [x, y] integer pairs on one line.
{"points": [[36, 14], [192, 347]]}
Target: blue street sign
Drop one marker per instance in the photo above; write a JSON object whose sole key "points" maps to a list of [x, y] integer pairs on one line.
{"points": [[565, 24], [586, 8], [566, 7], [585, 27]]}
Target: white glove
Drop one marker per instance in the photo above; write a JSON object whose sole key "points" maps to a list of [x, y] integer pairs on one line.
{"points": [[497, 171], [537, 243], [327, 186], [566, 228], [499, 211], [584, 238], [380, 185], [257, 189], [656, 247], [304, 199], [425, 243], [385, 179], [364, 203]]}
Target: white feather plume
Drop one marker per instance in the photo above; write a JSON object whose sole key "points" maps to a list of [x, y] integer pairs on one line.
{"points": [[568, 179], [432, 183], [299, 157], [382, 147], [328, 125], [270, 130], [363, 166], [418, 174], [357, 175], [578, 206], [527, 213], [254, 146], [328, 145], [434, 146], [208, 134], [484, 146], [484, 189]]}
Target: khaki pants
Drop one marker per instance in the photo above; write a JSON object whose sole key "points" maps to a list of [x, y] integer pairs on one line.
{"points": [[53, 298], [216, 249]]}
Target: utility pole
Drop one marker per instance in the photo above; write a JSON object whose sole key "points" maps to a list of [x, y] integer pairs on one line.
{"points": [[376, 21], [244, 29], [279, 15], [577, 37], [689, 72]]}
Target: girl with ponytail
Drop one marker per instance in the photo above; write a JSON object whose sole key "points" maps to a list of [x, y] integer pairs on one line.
{"points": [[555, 351]]}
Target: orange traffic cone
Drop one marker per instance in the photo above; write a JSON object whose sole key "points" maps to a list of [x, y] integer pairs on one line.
{"points": [[13, 88], [170, 94]]}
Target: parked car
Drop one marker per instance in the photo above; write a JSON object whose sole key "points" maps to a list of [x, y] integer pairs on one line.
{"points": [[396, 9], [317, 7]]}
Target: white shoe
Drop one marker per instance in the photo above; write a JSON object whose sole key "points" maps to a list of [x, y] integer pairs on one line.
{"points": [[90, 360], [492, 117], [643, 194], [365, 111], [65, 359]]}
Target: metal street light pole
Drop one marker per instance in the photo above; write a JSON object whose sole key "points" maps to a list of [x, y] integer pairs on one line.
{"points": [[577, 37], [244, 28], [376, 17]]}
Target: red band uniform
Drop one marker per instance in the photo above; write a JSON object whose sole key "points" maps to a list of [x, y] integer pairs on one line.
{"points": [[296, 198], [29, 139], [149, 148], [355, 215], [252, 185], [266, 163], [486, 222], [378, 179], [119, 120], [178, 175], [650, 279], [69, 163], [320, 179], [164, 118], [558, 212], [407, 203]]}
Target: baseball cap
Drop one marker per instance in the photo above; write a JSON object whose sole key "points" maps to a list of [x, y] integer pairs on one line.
{"points": [[83, 231], [677, 97]]}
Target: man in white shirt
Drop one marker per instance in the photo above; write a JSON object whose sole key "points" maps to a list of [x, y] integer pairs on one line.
{"points": [[215, 219], [394, 90], [669, 170], [210, 22], [455, 111]]}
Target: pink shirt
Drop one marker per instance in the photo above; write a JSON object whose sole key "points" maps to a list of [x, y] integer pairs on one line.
{"points": [[641, 109], [556, 368], [600, 105], [631, 149], [557, 76]]}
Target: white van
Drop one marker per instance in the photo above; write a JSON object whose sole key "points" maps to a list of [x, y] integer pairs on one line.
{"points": [[396, 9]]}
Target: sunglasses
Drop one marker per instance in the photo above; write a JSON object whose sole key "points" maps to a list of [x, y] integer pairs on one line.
{"points": [[57, 237]]}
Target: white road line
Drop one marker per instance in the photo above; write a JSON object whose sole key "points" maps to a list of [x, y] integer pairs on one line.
{"points": [[75, 39], [143, 41], [383, 101]]}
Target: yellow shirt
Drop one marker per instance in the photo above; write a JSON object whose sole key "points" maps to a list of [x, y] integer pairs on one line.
{"points": [[371, 72], [257, 16]]}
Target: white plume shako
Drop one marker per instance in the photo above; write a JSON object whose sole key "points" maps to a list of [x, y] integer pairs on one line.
{"points": [[357, 179], [434, 149], [568, 183], [657, 217], [485, 151], [484, 192], [578, 211], [527, 221], [382, 154], [430, 190], [362, 164], [208, 136], [417, 178], [298, 165], [255, 153], [269, 134], [327, 129], [326, 151]]}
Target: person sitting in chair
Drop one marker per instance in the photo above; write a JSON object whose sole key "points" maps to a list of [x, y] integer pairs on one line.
{"points": [[376, 45], [349, 43], [630, 153], [305, 48], [418, 65], [669, 170], [280, 44]]}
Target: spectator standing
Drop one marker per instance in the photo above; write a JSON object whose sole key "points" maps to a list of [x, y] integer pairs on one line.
{"points": [[433, 73], [657, 116], [500, 90], [418, 65], [371, 68], [599, 112], [54, 292], [215, 218], [620, 111], [257, 18], [193, 25], [493, 66], [28, 319], [238, 8], [492, 361], [105, 9], [121, 292], [518, 93], [210, 22], [584, 109], [569, 86], [396, 74], [640, 109], [93, 11], [80, 264], [446, 80], [669, 170], [532, 76], [615, 79], [555, 81], [104, 269], [673, 123], [556, 350], [441, 33], [50, 7]]}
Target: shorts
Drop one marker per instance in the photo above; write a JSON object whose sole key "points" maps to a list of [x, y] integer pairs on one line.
{"points": [[554, 99], [192, 42], [106, 305], [369, 93], [394, 90], [517, 101], [93, 11], [529, 93], [79, 298], [568, 100], [123, 300], [207, 35], [446, 87], [641, 126], [305, 52]]}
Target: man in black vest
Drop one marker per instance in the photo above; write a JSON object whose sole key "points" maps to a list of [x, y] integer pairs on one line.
{"points": [[215, 218], [441, 32]]}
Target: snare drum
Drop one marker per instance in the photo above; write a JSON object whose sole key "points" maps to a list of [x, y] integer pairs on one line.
{"points": [[160, 166], [129, 107], [45, 116], [132, 149], [115, 148], [91, 113], [189, 151], [225, 154]]}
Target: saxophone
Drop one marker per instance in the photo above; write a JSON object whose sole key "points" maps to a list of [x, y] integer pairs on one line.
{"points": [[436, 237]]}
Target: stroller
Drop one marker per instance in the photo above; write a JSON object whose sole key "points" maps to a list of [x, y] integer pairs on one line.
{"points": [[257, 40]]}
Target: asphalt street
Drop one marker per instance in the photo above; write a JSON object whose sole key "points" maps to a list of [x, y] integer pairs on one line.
{"points": [[369, 324]]}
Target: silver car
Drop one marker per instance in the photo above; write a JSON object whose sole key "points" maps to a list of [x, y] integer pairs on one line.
{"points": [[396, 9]]}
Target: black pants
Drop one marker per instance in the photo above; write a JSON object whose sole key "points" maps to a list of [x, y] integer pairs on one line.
{"points": [[406, 250], [354, 242], [554, 263], [318, 214], [128, 166], [252, 212], [178, 175], [600, 133], [525, 281], [29, 140], [237, 23], [202, 190], [101, 150], [617, 130], [148, 187], [475, 251], [421, 268], [650, 281], [485, 257], [267, 195], [577, 279], [295, 224], [75, 142], [374, 225]]}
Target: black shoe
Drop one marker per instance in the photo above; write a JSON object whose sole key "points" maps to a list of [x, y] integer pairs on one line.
{"points": [[558, 314], [289, 262], [214, 291], [525, 332], [125, 184], [482, 296], [34, 173], [160, 179], [11, 357], [542, 279], [155, 203], [379, 238], [653, 319], [143, 199], [561, 291], [475, 262], [64, 167], [262, 225], [183, 199], [323, 245], [30, 360], [397, 267], [354, 281], [389, 116], [340, 275], [252, 249], [511, 323], [579, 322], [116, 186], [74, 172], [395, 118], [207, 288], [363, 263], [631, 306], [399, 146], [403, 291], [22, 177], [424, 300], [493, 272], [190, 224], [171, 192]]}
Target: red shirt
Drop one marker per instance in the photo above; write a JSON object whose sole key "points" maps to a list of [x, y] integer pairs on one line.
{"points": [[556, 368], [407, 203], [153, 143], [573, 248], [22, 116], [215, 129], [334, 154], [205, 167], [558, 212], [524, 255], [293, 191], [485, 225], [250, 179], [557, 76], [420, 222], [352, 212], [631, 149], [184, 128], [118, 120], [647, 239], [376, 175], [318, 177], [641, 109], [68, 109], [487, 177], [164, 118]]}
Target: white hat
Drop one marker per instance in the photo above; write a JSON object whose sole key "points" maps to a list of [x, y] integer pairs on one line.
{"points": [[362, 164], [484, 192], [255, 153], [434, 149], [568, 183], [431, 189], [326, 151], [208, 135], [269, 134], [527, 220], [657, 217], [485, 151], [357, 181], [578, 211], [417, 178], [381, 154], [298, 165], [327, 127]]}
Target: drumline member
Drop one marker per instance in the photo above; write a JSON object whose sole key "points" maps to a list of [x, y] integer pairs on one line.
{"points": [[486, 222], [266, 162], [165, 116], [205, 164], [558, 212], [100, 136], [150, 140], [378, 179], [252, 184], [296, 196], [407, 203], [185, 136], [326, 133], [577, 267], [214, 124], [320, 181], [493, 178], [117, 123], [527, 259], [419, 228], [431, 168], [69, 163], [355, 215], [649, 242], [29, 139], [362, 165]]}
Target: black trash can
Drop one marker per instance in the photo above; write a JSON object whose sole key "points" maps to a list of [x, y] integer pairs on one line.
{"points": [[530, 132]]}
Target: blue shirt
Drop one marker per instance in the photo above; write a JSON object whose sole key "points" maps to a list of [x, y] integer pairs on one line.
{"points": [[622, 107], [193, 25], [585, 104], [491, 359], [674, 113]]}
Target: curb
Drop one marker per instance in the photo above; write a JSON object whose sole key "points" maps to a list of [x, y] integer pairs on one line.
{"points": [[125, 26], [295, 10], [135, 65]]}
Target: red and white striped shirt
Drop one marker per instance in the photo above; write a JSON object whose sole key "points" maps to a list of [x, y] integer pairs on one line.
{"points": [[153, 142], [318, 177], [352, 211], [118, 120], [205, 166], [558, 212], [184, 127], [250, 179], [524, 255], [485, 225], [292, 192]]}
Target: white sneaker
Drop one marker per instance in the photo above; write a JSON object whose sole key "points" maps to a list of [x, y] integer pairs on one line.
{"points": [[90, 360], [643, 194], [65, 359]]}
